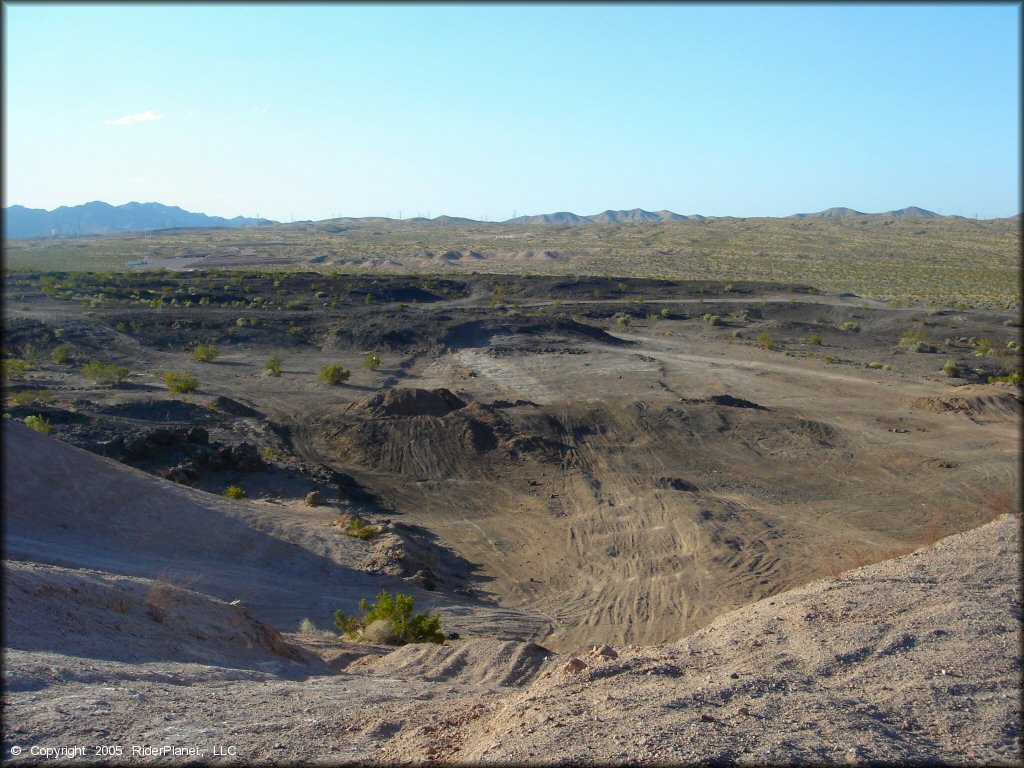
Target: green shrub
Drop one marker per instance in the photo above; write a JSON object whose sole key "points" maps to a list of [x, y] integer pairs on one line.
{"points": [[849, 325], [828, 359], [181, 382], [1011, 378], [60, 354], [396, 611], [205, 353], [13, 367], [371, 362], [874, 364], [814, 339], [334, 374], [38, 423], [234, 492], [712, 319], [951, 369], [272, 367], [623, 321], [105, 374], [765, 340], [358, 528], [984, 347], [665, 313]]}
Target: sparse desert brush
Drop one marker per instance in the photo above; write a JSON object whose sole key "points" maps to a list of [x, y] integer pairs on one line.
{"points": [[307, 627], [371, 362], [181, 382], [665, 313], [983, 348], [814, 339], [828, 359], [711, 319], [38, 423], [60, 354], [272, 367], [334, 374], [234, 492], [356, 527], [765, 340], [396, 613], [104, 374], [13, 367], [205, 353], [875, 365], [951, 369], [1016, 377], [849, 325]]}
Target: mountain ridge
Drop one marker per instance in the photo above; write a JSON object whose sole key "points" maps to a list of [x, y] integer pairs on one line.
{"points": [[100, 218]]}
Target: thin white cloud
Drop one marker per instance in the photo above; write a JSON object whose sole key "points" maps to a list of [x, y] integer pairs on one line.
{"points": [[257, 109], [142, 117]]}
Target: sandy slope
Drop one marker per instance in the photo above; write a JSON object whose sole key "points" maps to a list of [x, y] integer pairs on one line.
{"points": [[912, 659]]}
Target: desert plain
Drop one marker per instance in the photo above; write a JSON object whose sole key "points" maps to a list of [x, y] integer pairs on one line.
{"points": [[662, 520]]}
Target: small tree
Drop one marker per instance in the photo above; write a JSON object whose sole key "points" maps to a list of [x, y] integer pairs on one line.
{"points": [[334, 374], [371, 362]]}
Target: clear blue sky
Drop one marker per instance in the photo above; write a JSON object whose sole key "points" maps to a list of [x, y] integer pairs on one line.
{"points": [[309, 111]]}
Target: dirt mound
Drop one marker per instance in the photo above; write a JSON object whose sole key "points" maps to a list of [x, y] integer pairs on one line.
{"points": [[1000, 402], [90, 613], [411, 401], [479, 662]]}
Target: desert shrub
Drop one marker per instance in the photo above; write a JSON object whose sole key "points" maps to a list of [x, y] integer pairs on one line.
{"points": [[874, 364], [205, 353], [234, 492], [1011, 378], [60, 354], [828, 359], [623, 321], [105, 374], [849, 325], [309, 628], [814, 339], [405, 627], [712, 319], [38, 423], [358, 528], [181, 382], [26, 396], [984, 347], [13, 367], [371, 362], [665, 313], [334, 374], [739, 315], [272, 367], [913, 338], [765, 340], [921, 346], [951, 369]]}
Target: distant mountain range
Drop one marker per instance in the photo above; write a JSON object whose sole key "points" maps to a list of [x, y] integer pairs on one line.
{"points": [[99, 218]]}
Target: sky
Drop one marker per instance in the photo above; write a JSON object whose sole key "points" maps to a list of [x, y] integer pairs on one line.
{"points": [[295, 112]]}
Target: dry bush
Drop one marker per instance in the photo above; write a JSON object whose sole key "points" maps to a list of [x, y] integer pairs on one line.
{"points": [[162, 596]]}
